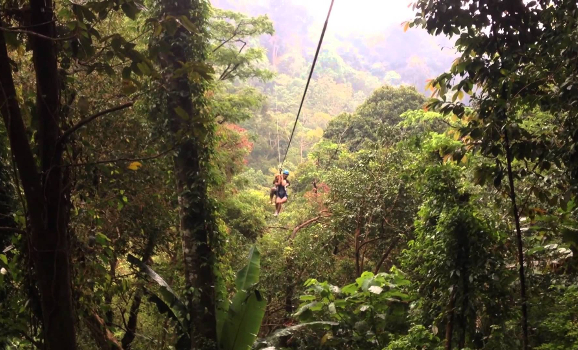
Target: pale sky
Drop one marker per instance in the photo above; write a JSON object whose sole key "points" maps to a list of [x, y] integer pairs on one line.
{"points": [[363, 16]]}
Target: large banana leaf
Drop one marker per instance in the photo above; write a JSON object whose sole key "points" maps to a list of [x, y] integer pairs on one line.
{"points": [[248, 276], [177, 307], [246, 310], [184, 341]]}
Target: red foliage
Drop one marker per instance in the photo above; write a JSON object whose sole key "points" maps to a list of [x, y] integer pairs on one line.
{"points": [[317, 196], [235, 140]]}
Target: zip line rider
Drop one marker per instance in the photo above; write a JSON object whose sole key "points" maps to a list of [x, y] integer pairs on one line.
{"points": [[276, 181], [281, 184]]}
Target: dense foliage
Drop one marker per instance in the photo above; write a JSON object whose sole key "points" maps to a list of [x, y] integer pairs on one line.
{"points": [[139, 142]]}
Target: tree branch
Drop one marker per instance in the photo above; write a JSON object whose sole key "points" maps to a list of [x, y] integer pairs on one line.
{"points": [[12, 229], [307, 223], [21, 151], [36, 343], [131, 326], [226, 73], [125, 159], [370, 241], [385, 255], [87, 120], [28, 26], [101, 335], [9, 30], [231, 38]]}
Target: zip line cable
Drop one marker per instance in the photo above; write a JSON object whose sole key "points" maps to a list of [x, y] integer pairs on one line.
{"points": [[308, 81]]}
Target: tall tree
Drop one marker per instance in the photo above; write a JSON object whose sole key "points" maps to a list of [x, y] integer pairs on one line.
{"points": [[45, 186], [505, 48], [43, 109], [182, 56], [382, 109]]}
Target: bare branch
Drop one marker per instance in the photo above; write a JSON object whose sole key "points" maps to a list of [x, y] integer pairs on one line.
{"points": [[87, 120], [36, 343], [103, 337], [12, 229], [226, 73], [386, 255], [309, 222], [36, 34], [29, 26], [116, 160], [235, 32], [370, 241]]}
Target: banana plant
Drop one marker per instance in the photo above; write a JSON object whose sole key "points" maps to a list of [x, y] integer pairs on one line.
{"points": [[245, 311], [238, 319]]}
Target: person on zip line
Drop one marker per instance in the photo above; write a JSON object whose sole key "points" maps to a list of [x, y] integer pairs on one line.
{"points": [[276, 181], [281, 185]]}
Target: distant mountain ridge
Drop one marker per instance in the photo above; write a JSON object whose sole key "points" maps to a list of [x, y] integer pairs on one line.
{"points": [[391, 57]]}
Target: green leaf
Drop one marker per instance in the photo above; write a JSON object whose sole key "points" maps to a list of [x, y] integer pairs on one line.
{"points": [[248, 276], [144, 68], [170, 25], [182, 113], [185, 22], [241, 328], [126, 71], [4, 259], [397, 294], [307, 297], [290, 330], [130, 9], [246, 311], [315, 306], [163, 307], [101, 239], [128, 87], [349, 289], [88, 15], [169, 296]]}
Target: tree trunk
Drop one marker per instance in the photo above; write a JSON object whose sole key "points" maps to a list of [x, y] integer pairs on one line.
{"points": [[194, 137], [450, 321], [104, 338], [130, 334], [109, 316], [465, 291], [50, 247], [131, 325], [45, 193], [385, 255], [356, 236], [519, 241]]}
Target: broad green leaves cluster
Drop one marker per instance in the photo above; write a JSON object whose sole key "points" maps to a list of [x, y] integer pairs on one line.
{"points": [[368, 312], [238, 320]]}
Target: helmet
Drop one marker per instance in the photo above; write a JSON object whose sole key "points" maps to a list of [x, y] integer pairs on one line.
{"points": [[285, 172]]}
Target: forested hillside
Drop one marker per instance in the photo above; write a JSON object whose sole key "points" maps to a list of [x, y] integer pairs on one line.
{"points": [[353, 63], [426, 201]]}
